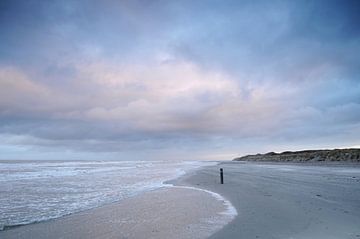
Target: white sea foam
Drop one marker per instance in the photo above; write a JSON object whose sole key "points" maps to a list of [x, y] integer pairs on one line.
{"points": [[210, 225], [230, 209]]}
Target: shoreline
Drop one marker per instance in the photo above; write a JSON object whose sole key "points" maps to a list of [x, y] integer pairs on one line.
{"points": [[143, 187], [205, 213]]}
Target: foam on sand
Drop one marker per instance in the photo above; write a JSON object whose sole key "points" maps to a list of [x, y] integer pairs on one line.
{"points": [[230, 209]]}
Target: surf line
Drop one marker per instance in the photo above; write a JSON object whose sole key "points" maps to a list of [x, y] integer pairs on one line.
{"points": [[230, 211]]}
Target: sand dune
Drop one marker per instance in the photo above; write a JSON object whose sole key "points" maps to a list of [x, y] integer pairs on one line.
{"points": [[335, 155]]}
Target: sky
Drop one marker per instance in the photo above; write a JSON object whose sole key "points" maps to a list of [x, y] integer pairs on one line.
{"points": [[142, 80]]}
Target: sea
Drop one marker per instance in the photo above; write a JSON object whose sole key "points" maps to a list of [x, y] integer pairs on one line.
{"points": [[35, 191]]}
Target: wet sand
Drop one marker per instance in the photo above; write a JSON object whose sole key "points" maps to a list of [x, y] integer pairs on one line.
{"points": [[169, 212], [287, 200]]}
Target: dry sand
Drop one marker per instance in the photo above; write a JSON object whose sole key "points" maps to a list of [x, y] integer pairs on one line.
{"points": [[170, 212], [287, 200]]}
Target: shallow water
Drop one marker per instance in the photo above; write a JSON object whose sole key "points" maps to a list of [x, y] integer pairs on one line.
{"points": [[33, 191]]}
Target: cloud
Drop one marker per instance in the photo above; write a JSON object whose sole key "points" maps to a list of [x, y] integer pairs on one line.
{"points": [[171, 99], [171, 77], [18, 92]]}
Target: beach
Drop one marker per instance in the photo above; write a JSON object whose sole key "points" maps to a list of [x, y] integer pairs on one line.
{"points": [[276, 200], [272, 200]]}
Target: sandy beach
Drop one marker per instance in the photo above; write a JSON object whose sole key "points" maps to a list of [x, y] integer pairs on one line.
{"points": [[273, 200], [287, 200]]}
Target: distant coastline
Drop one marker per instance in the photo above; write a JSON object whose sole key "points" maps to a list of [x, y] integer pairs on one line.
{"points": [[334, 155]]}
